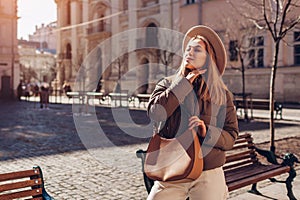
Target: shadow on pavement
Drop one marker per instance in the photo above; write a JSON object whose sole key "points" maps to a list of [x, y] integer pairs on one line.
{"points": [[26, 130], [263, 124]]}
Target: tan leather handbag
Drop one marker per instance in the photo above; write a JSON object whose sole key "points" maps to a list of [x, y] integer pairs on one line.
{"points": [[174, 159]]}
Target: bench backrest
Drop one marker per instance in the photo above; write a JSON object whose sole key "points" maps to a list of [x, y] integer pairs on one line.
{"points": [[21, 184], [242, 154]]}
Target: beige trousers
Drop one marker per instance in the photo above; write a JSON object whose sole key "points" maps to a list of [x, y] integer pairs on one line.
{"points": [[209, 186]]}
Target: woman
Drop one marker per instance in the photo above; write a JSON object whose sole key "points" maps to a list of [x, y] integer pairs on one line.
{"points": [[196, 98]]}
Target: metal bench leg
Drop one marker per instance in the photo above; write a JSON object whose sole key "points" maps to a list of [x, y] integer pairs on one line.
{"points": [[288, 182], [254, 189]]}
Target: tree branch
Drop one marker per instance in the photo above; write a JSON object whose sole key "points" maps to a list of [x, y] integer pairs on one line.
{"points": [[286, 8], [267, 21], [292, 25]]}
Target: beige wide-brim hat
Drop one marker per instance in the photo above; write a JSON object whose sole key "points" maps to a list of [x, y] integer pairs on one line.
{"points": [[214, 40]]}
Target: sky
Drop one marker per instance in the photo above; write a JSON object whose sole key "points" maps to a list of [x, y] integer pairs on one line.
{"points": [[32, 13]]}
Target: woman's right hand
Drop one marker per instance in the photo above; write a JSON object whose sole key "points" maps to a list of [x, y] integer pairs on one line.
{"points": [[195, 122], [194, 74]]}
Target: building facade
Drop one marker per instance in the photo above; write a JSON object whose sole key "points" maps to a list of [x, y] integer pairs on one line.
{"points": [[45, 35], [36, 66], [119, 34], [9, 59], [38, 55], [121, 43]]}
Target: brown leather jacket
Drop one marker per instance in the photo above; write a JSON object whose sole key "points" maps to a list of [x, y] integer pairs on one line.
{"points": [[173, 102]]}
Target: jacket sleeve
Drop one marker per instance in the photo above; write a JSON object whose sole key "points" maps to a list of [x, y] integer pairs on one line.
{"points": [[223, 138], [167, 96]]}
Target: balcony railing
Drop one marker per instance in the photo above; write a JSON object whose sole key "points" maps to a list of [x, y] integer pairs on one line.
{"points": [[100, 27]]}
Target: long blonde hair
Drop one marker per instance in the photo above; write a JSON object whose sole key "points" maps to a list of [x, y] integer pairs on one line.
{"points": [[212, 85]]}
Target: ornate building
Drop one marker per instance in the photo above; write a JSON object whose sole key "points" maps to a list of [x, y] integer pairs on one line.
{"points": [[45, 35], [9, 59], [117, 36]]}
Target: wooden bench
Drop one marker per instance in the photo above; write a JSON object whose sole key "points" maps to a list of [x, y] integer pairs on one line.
{"points": [[143, 98], [243, 166], [23, 184], [95, 95], [119, 97], [259, 104]]}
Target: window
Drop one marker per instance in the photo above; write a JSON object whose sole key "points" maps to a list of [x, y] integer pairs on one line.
{"points": [[297, 48], [233, 53], [256, 52], [187, 2], [125, 5], [68, 13]]}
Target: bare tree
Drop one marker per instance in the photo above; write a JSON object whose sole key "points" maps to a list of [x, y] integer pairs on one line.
{"points": [[238, 32], [278, 17]]}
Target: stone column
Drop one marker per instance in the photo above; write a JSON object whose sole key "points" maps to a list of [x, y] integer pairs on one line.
{"points": [[58, 44], [74, 38], [132, 40]]}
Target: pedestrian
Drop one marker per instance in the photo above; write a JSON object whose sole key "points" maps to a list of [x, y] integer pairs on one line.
{"points": [[197, 98], [44, 97], [67, 88], [20, 90]]}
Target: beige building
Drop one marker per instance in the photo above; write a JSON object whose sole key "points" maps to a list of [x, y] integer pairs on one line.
{"points": [[38, 55], [41, 64], [112, 36], [125, 41], [46, 36], [9, 60]]}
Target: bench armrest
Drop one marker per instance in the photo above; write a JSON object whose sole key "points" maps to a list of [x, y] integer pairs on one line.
{"points": [[289, 159], [269, 155], [45, 194]]}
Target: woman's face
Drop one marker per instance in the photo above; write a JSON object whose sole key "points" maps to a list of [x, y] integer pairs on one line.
{"points": [[195, 53]]}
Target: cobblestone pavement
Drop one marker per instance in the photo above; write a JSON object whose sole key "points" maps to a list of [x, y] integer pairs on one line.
{"points": [[109, 168]]}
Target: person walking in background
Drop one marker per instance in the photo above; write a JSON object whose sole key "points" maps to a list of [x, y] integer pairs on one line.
{"points": [[44, 97], [67, 88], [198, 89], [20, 90]]}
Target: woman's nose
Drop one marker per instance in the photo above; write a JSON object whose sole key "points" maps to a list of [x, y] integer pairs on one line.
{"points": [[190, 52]]}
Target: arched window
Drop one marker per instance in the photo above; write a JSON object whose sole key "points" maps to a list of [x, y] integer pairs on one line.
{"points": [[151, 35], [68, 51], [68, 12], [101, 24]]}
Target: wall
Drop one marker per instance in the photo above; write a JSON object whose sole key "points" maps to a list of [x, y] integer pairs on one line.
{"points": [[257, 82]]}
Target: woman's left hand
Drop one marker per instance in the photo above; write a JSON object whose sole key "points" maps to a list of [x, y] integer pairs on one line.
{"points": [[194, 121]]}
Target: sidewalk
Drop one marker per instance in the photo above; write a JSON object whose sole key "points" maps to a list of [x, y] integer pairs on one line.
{"points": [[107, 171]]}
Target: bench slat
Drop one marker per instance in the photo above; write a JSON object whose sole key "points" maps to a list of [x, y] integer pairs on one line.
{"points": [[241, 146], [18, 175], [247, 171], [25, 193], [236, 184], [238, 164], [21, 184], [240, 156]]}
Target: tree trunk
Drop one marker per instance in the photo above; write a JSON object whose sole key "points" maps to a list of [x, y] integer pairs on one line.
{"points": [[272, 91]]}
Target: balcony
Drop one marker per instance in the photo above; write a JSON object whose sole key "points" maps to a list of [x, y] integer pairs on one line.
{"points": [[99, 28]]}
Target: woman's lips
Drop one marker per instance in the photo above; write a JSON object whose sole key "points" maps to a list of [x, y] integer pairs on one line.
{"points": [[189, 59]]}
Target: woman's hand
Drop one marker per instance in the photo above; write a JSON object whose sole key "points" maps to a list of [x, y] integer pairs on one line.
{"points": [[194, 121], [194, 74]]}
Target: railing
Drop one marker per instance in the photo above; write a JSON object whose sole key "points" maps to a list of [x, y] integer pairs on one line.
{"points": [[100, 27]]}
